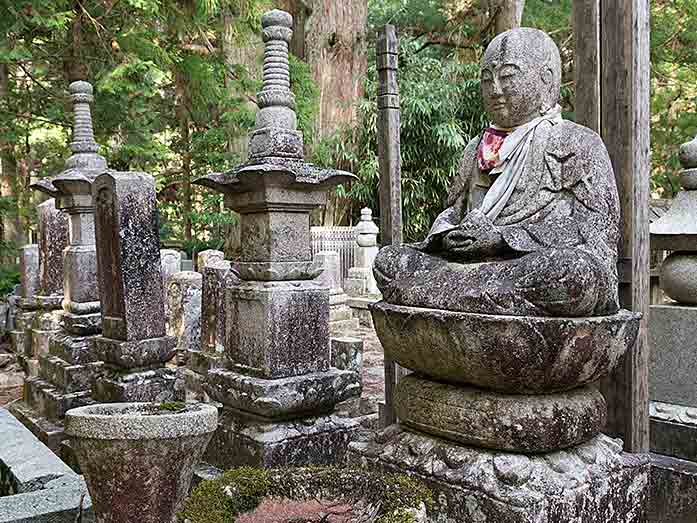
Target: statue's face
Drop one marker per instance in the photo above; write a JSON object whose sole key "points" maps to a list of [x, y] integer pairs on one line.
{"points": [[515, 84]]}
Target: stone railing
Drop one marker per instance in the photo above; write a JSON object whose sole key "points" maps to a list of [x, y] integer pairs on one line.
{"points": [[337, 239]]}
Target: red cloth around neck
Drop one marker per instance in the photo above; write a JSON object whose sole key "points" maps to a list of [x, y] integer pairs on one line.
{"points": [[489, 146]]}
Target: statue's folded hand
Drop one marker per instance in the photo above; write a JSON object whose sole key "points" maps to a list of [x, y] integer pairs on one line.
{"points": [[475, 235]]}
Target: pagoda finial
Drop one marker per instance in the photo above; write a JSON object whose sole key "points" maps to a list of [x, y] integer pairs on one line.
{"points": [[276, 100], [83, 146]]}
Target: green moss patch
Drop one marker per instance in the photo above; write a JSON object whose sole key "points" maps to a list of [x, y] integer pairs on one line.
{"points": [[242, 490]]}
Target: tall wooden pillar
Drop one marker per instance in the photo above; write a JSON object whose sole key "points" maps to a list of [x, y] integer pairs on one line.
{"points": [[390, 164], [586, 26], [624, 124]]}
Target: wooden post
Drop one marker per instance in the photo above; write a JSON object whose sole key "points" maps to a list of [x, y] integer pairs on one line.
{"points": [[586, 25], [390, 163], [625, 120]]}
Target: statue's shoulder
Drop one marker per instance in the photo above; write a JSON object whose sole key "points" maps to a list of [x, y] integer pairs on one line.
{"points": [[569, 137]]}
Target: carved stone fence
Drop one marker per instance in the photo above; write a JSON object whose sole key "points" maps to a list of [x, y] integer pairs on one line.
{"points": [[339, 239]]}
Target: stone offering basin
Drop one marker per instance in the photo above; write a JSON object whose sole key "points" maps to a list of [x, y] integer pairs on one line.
{"points": [[138, 458], [513, 354]]}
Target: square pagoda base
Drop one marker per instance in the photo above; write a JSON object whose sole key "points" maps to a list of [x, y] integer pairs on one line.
{"points": [[242, 440], [592, 483]]}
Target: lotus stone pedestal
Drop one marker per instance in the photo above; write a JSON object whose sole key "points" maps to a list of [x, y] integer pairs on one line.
{"points": [[500, 417]]}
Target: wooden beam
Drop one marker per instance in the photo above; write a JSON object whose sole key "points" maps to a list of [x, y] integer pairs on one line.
{"points": [[390, 164], [625, 120], [586, 26]]}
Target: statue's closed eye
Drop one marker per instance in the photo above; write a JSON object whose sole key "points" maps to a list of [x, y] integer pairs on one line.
{"points": [[508, 71]]}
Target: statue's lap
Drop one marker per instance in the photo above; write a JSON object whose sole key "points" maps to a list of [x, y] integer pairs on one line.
{"points": [[553, 282]]}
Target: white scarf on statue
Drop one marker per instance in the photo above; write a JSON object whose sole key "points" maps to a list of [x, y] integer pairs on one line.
{"points": [[513, 159]]}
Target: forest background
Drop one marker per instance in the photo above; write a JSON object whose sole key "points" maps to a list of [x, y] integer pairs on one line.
{"points": [[175, 84]]}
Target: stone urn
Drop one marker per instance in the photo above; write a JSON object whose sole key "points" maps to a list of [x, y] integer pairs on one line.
{"points": [[138, 458]]}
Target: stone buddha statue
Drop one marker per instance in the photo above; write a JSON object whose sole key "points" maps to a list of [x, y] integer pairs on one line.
{"points": [[532, 223]]}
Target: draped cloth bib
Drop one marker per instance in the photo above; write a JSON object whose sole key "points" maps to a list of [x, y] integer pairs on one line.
{"points": [[506, 153]]}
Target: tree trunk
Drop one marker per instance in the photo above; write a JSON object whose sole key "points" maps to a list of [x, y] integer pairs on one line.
{"points": [[331, 37], [12, 230], [508, 14], [185, 136], [74, 66]]}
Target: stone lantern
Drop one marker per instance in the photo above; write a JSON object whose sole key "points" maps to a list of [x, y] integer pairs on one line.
{"points": [[672, 326], [677, 231]]}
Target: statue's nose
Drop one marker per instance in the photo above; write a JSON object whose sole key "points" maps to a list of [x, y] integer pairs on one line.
{"points": [[497, 87]]}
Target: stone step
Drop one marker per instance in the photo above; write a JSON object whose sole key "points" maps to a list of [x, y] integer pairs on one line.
{"points": [[343, 326], [51, 402], [70, 378], [49, 433], [76, 350], [201, 362], [33, 388]]}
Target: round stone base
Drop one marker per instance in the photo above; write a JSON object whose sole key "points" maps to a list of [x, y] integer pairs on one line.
{"points": [[516, 423]]}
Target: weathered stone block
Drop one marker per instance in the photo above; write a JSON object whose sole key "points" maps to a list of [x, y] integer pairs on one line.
{"points": [[201, 362], [135, 353], [673, 489], [244, 440], [594, 483], [209, 257], [171, 260], [155, 385], [29, 270], [183, 309], [50, 401], [672, 333], [275, 236], [213, 312], [81, 289], [347, 353], [30, 464], [69, 377], [277, 329], [127, 243], [73, 349], [53, 239], [285, 397], [82, 324], [50, 433], [673, 430]]}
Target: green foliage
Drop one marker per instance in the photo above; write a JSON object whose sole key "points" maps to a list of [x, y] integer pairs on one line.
{"points": [[170, 100], [243, 489], [441, 112], [9, 278], [674, 88]]}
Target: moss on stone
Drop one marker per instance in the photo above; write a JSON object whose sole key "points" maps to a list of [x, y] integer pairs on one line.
{"points": [[242, 490], [172, 406]]}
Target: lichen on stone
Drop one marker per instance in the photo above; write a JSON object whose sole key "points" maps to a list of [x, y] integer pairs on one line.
{"points": [[242, 490]]}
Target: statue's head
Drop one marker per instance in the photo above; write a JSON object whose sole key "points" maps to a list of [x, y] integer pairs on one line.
{"points": [[521, 76]]}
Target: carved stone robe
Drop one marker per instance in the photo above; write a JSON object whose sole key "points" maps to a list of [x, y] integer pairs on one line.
{"points": [[560, 230]]}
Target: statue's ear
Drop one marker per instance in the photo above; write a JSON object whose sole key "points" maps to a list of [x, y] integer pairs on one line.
{"points": [[547, 75]]}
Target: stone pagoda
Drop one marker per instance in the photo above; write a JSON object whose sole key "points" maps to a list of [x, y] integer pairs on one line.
{"points": [[277, 386], [66, 371]]}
